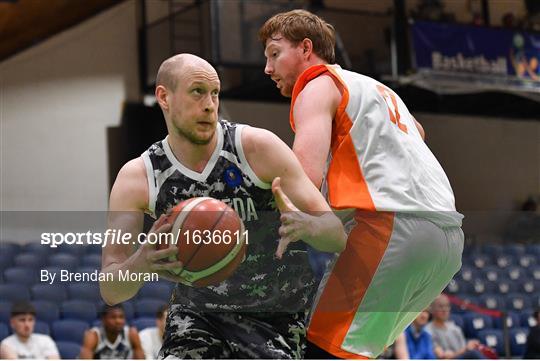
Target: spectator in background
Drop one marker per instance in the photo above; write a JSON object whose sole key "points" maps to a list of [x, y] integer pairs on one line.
{"points": [[24, 343], [533, 340], [113, 339], [448, 338], [152, 337], [419, 343]]}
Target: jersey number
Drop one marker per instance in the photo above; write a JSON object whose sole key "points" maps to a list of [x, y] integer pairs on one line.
{"points": [[391, 102]]}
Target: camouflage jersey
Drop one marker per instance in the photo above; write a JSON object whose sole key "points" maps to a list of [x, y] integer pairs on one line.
{"points": [[261, 283]]}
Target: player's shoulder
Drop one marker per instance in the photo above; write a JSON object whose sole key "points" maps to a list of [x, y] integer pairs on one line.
{"points": [[134, 167], [130, 189], [258, 139]]}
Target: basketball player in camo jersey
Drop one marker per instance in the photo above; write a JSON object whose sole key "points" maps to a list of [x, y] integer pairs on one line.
{"points": [[259, 311]]}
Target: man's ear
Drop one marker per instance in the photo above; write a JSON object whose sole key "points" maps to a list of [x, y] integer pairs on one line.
{"points": [[307, 47], [161, 97]]}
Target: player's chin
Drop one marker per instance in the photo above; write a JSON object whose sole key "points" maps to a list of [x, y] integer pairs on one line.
{"points": [[286, 92]]}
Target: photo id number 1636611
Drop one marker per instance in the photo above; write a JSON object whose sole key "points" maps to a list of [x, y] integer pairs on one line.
{"points": [[216, 236]]}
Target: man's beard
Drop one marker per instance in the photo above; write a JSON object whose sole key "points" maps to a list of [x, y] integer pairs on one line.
{"points": [[192, 137]]}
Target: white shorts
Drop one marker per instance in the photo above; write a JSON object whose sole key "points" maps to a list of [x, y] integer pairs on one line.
{"points": [[393, 267]]}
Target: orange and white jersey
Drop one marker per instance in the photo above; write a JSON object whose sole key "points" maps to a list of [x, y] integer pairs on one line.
{"points": [[378, 160]]}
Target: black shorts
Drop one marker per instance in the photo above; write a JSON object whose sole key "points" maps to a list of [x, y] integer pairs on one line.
{"points": [[222, 335]]}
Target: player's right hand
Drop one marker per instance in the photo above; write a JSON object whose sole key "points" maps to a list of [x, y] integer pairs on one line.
{"points": [[152, 260]]}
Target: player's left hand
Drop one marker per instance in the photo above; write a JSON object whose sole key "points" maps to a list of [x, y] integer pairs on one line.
{"points": [[295, 224]]}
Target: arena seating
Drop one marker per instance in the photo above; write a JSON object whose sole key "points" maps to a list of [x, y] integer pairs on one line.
{"points": [[493, 277]]}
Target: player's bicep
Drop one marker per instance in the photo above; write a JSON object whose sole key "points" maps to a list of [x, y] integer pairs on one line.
{"points": [[128, 200], [313, 112]]}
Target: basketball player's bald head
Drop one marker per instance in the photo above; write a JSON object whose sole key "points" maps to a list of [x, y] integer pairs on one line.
{"points": [[172, 70]]}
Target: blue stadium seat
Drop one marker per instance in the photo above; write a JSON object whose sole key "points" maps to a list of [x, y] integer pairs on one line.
{"points": [[480, 287], [42, 328], [492, 302], [69, 330], [506, 286], [147, 307], [68, 350], [514, 249], [46, 311], [535, 272], [86, 269], [4, 331], [527, 260], [492, 273], [93, 249], [465, 273], [30, 260], [452, 288], [535, 300], [37, 248], [6, 261], [492, 338], [54, 293], [527, 319], [518, 302], [88, 291], [21, 275], [481, 260], [505, 261], [10, 249], [516, 273], [65, 260], [79, 310], [474, 323], [518, 341], [529, 286], [512, 318], [143, 322], [491, 249], [92, 260], [76, 250], [14, 292], [158, 290], [5, 311], [533, 249]]}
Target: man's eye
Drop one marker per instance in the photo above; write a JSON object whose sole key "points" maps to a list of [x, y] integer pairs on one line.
{"points": [[274, 54], [197, 91]]}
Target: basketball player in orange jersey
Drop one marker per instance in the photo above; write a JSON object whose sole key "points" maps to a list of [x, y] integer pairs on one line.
{"points": [[360, 145], [258, 312]]}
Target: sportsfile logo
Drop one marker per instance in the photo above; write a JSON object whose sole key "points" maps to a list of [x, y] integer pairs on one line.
{"points": [[119, 237]]}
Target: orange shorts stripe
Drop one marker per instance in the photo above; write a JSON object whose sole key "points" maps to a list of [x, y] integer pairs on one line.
{"points": [[349, 280]]}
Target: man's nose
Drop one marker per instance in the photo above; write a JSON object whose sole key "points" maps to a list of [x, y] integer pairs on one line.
{"points": [[209, 105], [268, 69]]}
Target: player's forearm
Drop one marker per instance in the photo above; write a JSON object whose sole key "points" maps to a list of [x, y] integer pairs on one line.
{"points": [[327, 233], [118, 290]]}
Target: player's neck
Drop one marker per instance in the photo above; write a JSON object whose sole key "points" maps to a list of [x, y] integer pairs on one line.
{"points": [[191, 155], [439, 323], [111, 335]]}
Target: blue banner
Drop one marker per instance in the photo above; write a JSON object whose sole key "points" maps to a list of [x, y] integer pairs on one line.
{"points": [[475, 50]]}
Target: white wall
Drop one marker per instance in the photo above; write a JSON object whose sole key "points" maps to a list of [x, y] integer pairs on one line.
{"points": [[57, 99]]}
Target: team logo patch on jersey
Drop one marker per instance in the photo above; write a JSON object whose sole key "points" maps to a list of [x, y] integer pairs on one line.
{"points": [[232, 176]]}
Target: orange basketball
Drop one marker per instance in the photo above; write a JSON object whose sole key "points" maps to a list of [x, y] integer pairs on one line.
{"points": [[211, 240]]}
